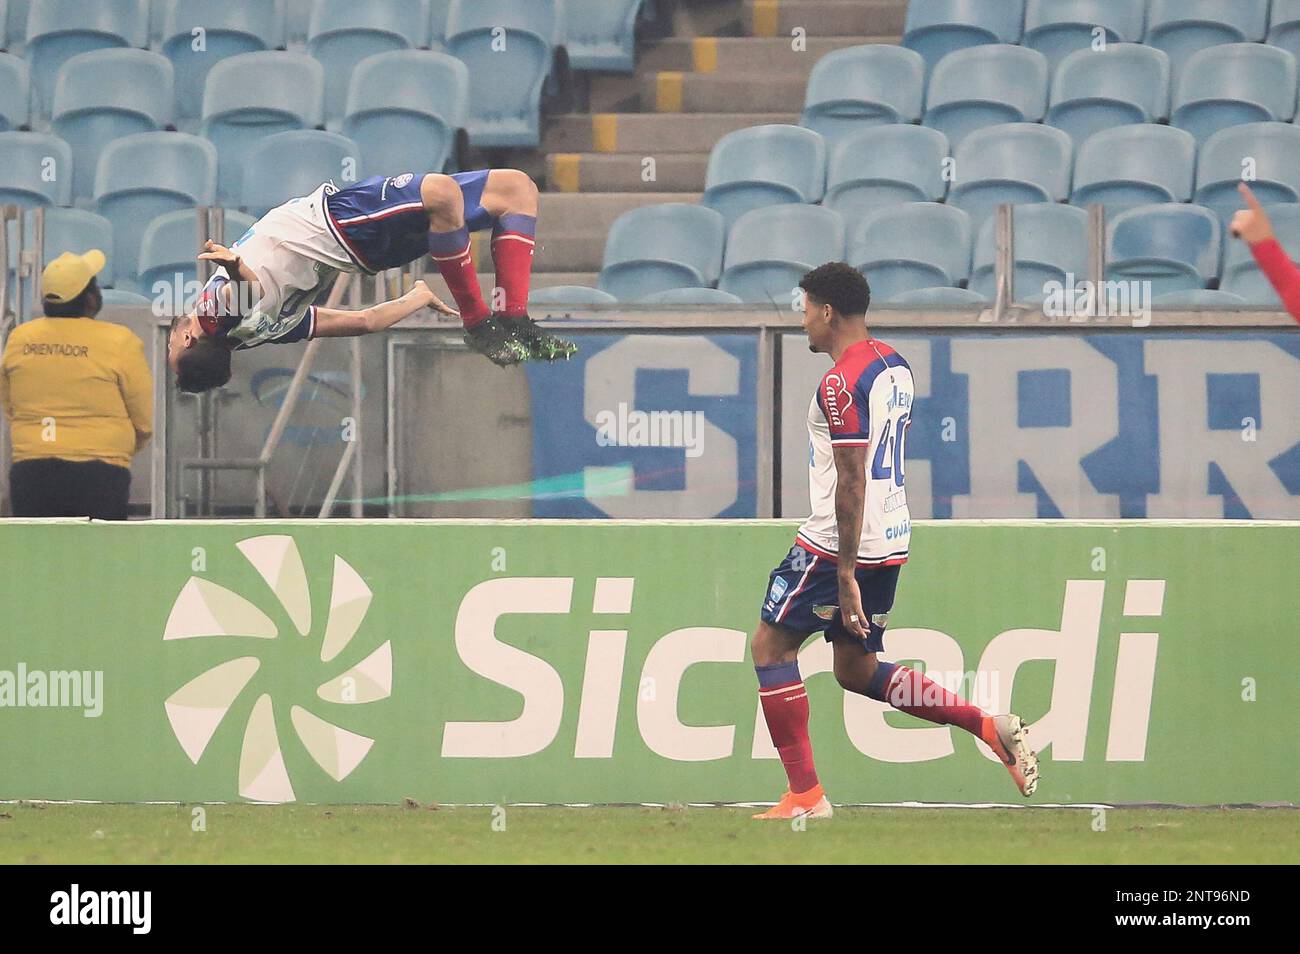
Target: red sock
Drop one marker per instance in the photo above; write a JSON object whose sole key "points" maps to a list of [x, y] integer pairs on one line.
{"points": [[513, 244], [785, 707], [450, 250], [916, 694]]}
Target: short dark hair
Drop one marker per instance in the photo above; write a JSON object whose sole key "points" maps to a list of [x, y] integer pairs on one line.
{"points": [[841, 286], [203, 366], [85, 305]]}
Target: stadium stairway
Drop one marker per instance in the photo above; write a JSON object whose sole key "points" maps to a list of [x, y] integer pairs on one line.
{"points": [[646, 138]]}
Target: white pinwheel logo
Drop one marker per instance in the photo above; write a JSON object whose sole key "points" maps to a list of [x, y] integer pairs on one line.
{"points": [[195, 710]]}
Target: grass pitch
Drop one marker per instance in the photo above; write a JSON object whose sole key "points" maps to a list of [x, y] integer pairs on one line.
{"points": [[306, 834]]}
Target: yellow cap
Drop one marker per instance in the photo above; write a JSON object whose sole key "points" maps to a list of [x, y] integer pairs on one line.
{"points": [[68, 275]]}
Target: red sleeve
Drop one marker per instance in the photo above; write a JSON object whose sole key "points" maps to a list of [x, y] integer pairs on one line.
{"points": [[1281, 272], [847, 419]]}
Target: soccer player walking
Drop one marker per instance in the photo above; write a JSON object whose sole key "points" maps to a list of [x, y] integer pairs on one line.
{"points": [[840, 576]]}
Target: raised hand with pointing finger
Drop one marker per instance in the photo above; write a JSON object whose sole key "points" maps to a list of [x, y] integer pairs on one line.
{"points": [[1252, 223], [1253, 226]]}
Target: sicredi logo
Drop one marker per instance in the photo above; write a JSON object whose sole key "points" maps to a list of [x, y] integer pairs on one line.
{"points": [[206, 610]]}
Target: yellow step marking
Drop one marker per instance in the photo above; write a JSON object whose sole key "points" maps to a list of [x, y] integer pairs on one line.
{"points": [[766, 17], [669, 93], [567, 172], [705, 51], [604, 132]]}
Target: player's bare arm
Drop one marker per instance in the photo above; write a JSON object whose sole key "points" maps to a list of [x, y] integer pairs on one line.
{"points": [[850, 499], [332, 323]]}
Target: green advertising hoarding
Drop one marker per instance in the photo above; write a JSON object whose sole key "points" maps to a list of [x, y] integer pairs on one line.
{"points": [[538, 661]]}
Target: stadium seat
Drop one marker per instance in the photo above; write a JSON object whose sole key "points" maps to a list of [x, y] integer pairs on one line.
{"points": [[142, 176], [986, 86], [1129, 166], [1183, 28], [105, 95], [935, 28], [570, 295], [691, 296], [406, 110], [1174, 247], [1057, 28], [886, 165], [1017, 163], [170, 246], [764, 165], [1284, 26], [4, 26], [439, 11], [941, 297], [66, 230], [601, 34], [910, 247], [770, 250], [863, 86], [1235, 83], [229, 27], [1092, 91], [35, 169], [297, 21], [657, 247], [125, 299], [254, 95], [1198, 298], [1242, 276], [15, 92], [292, 164], [344, 32], [1267, 154], [58, 30], [1051, 244], [506, 111]]}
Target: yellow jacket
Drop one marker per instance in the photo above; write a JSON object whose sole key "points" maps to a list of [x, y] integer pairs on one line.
{"points": [[78, 389]]}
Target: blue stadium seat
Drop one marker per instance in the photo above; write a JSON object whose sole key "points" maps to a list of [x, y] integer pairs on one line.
{"points": [[935, 28], [1051, 243], [910, 247], [601, 34], [863, 86], [344, 32], [770, 250], [123, 298], [229, 27], [1174, 247], [142, 176], [1184, 27], [571, 295], [254, 95], [1242, 277], [1268, 154], [105, 95], [1235, 83], [506, 111], [1092, 91], [66, 230], [295, 163], [764, 165], [15, 92], [986, 86], [297, 21], [35, 169], [4, 25], [16, 24], [405, 110], [691, 296], [440, 10], [1057, 28], [170, 247], [58, 30], [1198, 298], [1129, 166], [1017, 163], [886, 165], [657, 247], [941, 297], [1284, 26]]}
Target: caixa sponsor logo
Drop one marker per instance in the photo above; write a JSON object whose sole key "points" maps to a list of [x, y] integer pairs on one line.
{"points": [[1072, 646]]}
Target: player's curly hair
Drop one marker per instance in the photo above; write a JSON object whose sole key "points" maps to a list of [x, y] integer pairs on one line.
{"points": [[203, 366], [839, 285]]}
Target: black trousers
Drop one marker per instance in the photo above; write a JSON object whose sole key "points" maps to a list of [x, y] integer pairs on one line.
{"points": [[51, 487]]}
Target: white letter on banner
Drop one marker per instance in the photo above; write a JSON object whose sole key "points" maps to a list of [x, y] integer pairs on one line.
{"points": [[506, 665], [1074, 650], [998, 443], [666, 663], [712, 476], [1187, 444]]}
